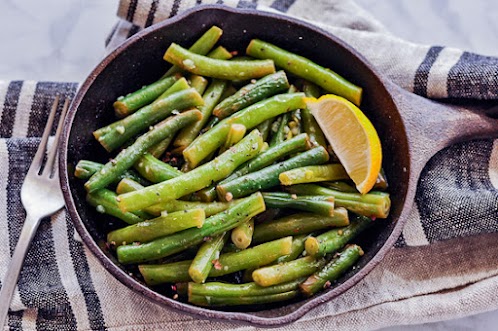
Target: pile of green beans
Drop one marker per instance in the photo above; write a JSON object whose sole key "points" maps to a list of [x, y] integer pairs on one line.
{"points": [[220, 181]]}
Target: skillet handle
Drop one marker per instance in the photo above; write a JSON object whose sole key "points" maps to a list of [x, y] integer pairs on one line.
{"points": [[432, 126]]}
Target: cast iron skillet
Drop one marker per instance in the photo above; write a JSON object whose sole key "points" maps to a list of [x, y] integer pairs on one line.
{"points": [[411, 129]]}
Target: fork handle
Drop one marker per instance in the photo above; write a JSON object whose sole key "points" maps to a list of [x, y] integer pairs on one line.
{"points": [[10, 281]]}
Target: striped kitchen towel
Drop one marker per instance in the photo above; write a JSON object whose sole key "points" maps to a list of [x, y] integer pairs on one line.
{"points": [[441, 268]]}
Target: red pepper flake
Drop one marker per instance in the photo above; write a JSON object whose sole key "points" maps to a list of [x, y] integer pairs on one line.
{"points": [[373, 218], [173, 287], [234, 53], [136, 243], [206, 238], [216, 264]]}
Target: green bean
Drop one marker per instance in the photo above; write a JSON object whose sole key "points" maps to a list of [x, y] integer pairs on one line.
{"points": [[332, 270], [195, 179], [310, 125], [333, 240], [253, 257], [265, 128], [297, 144], [85, 169], [297, 249], [221, 69], [373, 204], [199, 83], [220, 53], [268, 177], [242, 234], [252, 93], [126, 185], [235, 134], [158, 227], [155, 170], [340, 186], [305, 68], [127, 157], [127, 105], [216, 301], [287, 271], [117, 133], [250, 117], [158, 149], [207, 194], [203, 262], [323, 207], [237, 213], [279, 136], [155, 274], [202, 46], [299, 223], [313, 174], [105, 203], [240, 290]]}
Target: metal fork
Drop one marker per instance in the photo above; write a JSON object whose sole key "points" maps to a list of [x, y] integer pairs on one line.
{"points": [[41, 196]]}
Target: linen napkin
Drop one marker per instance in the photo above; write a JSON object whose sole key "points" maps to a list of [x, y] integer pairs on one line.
{"points": [[442, 267]]}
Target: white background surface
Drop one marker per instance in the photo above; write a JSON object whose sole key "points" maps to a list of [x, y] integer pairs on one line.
{"points": [[55, 40]]}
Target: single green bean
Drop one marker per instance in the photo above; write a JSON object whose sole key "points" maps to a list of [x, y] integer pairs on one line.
{"points": [[253, 257], [332, 270], [127, 105], [127, 157], [305, 68], [195, 179], [158, 149], [373, 204], [202, 46], [221, 69], [287, 271], [242, 234], [199, 83], [216, 301], [85, 169], [155, 170], [333, 240], [313, 174], [323, 207], [250, 117], [158, 227], [299, 223], [240, 290], [252, 93], [155, 274], [268, 177]]}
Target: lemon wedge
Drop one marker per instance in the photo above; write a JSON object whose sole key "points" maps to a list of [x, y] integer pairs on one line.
{"points": [[352, 137]]}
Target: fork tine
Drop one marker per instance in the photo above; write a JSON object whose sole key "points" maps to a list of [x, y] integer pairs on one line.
{"points": [[40, 153], [53, 150]]}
